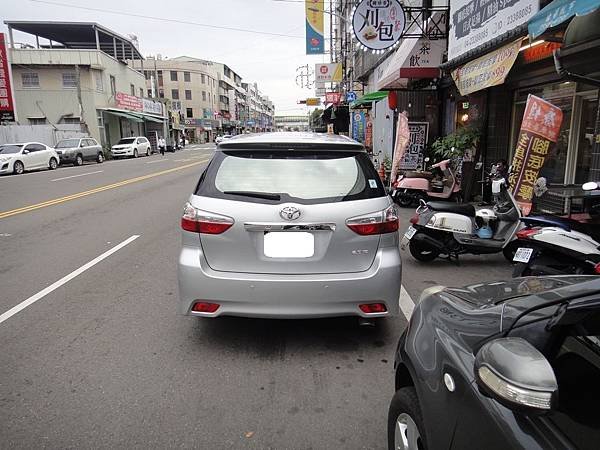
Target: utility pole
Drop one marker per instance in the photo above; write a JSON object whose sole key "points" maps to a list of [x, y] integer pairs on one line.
{"points": [[79, 101]]}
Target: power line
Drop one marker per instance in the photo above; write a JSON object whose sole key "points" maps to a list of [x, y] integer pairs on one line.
{"points": [[162, 19]]}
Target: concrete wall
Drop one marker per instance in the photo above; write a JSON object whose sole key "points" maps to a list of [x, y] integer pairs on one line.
{"points": [[46, 134]]}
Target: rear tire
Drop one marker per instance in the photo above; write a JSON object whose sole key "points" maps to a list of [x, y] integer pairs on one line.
{"points": [[18, 168], [421, 252], [100, 158], [405, 421], [148, 152], [53, 164], [135, 153], [404, 201]]}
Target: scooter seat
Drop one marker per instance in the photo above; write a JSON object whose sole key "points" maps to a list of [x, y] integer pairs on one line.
{"points": [[458, 208]]}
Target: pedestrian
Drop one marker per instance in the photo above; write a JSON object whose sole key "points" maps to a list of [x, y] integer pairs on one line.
{"points": [[161, 145]]}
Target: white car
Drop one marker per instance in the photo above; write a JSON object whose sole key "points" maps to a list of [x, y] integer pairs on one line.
{"points": [[131, 146], [17, 158]]}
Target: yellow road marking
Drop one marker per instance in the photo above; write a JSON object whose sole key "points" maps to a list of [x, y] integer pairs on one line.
{"points": [[56, 201]]}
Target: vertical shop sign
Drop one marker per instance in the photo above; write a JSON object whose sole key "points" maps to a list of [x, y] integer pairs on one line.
{"points": [[359, 125], [7, 109], [369, 132], [402, 140], [539, 130], [315, 43], [413, 157]]}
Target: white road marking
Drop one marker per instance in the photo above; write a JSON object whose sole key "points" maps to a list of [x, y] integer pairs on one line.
{"points": [[80, 175], [181, 160], [34, 298], [157, 161], [407, 305]]}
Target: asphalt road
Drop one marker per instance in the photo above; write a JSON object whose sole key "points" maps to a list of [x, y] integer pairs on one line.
{"points": [[103, 361]]}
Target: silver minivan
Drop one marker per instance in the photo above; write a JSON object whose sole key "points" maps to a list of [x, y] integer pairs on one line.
{"points": [[289, 225]]}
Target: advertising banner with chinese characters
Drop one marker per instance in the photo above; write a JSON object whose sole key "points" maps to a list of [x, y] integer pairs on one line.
{"points": [[539, 130], [486, 71], [7, 110], [475, 22], [126, 101], [328, 73], [378, 24], [333, 97], [413, 156], [359, 125], [402, 140], [315, 44], [150, 106]]}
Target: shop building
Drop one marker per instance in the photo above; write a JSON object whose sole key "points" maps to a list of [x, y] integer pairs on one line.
{"points": [[489, 79], [80, 73]]}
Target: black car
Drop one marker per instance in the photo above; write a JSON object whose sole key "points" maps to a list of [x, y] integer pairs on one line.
{"points": [[504, 365]]}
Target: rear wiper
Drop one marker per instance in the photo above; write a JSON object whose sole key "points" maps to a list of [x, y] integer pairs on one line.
{"points": [[265, 195]]}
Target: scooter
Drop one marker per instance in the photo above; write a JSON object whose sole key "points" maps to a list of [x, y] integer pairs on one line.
{"points": [[564, 247], [449, 229], [410, 189]]}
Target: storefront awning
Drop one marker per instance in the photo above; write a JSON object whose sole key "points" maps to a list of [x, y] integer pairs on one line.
{"points": [[558, 12], [124, 115], [366, 100]]}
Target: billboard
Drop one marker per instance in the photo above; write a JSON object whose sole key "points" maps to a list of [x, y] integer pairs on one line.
{"points": [[315, 42], [328, 73], [474, 22], [7, 106], [378, 24], [539, 130]]}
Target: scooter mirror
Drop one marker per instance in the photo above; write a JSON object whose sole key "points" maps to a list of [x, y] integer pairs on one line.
{"points": [[497, 186], [427, 159], [590, 186]]}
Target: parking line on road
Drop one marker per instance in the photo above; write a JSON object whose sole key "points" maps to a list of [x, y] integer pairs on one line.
{"points": [[41, 294], [157, 161], [407, 305], [75, 176], [67, 198]]}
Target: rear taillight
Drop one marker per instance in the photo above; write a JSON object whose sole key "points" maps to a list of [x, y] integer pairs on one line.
{"points": [[414, 219], [381, 222], [527, 233], [373, 308], [597, 268], [205, 307], [198, 221]]}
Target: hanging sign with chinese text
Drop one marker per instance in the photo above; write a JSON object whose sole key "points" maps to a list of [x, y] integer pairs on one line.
{"points": [[315, 43], [378, 24], [413, 156], [539, 130], [359, 125], [333, 97], [7, 111], [328, 73], [126, 101], [486, 71], [402, 140]]}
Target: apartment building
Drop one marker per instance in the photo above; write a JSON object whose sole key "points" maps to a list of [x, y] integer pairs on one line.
{"points": [[82, 73]]}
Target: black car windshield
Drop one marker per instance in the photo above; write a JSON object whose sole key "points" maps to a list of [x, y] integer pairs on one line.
{"points": [[10, 148], [68, 143], [126, 141], [308, 176]]}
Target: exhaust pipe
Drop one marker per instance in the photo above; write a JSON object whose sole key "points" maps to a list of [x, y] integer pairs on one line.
{"points": [[366, 323]]}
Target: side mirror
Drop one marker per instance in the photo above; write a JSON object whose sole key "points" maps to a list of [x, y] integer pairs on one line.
{"points": [[515, 373], [26, 152], [590, 186], [82, 145]]}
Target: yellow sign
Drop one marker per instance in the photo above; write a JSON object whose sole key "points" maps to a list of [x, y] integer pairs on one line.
{"points": [[315, 42], [486, 71], [313, 101], [328, 73]]}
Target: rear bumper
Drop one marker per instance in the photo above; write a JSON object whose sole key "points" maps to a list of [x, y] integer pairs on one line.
{"points": [[289, 296]]}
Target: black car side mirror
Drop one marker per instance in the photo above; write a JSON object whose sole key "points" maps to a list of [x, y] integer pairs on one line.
{"points": [[515, 373]]}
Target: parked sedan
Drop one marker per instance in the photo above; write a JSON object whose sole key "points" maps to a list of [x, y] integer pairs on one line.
{"points": [[78, 150], [501, 365], [131, 146], [290, 225], [18, 158]]}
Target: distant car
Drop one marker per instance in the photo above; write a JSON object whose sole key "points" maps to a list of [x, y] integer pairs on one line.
{"points": [[131, 146], [77, 150], [290, 225], [18, 158], [500, 365]]}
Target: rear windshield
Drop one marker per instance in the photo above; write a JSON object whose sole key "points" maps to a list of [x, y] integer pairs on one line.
{"points": [[68, 143], [126, 141], [303, 177]]}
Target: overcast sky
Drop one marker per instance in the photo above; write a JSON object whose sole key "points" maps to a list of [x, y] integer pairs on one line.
{"points": [[271, 61]]}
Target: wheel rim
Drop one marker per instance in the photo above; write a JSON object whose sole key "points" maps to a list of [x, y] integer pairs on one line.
{"points": [[19, 168], [406, 435], [100, 157], [53, 164], [79, 160]]}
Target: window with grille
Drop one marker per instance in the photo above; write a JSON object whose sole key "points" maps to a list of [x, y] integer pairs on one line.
{"points": [[69, 80], [188, 94], [30, 80]]}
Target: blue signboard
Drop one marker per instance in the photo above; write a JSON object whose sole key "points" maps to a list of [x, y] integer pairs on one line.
{"points": [[351, 96], [359, 125]]}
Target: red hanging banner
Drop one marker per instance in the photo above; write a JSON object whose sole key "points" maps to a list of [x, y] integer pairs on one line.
{"points": [[7, 108]]}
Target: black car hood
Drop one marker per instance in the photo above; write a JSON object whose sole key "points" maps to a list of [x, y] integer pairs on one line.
{"points": [[496, 292]]}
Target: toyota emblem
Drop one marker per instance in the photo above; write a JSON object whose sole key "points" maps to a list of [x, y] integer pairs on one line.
{"points": [[289, 213]]}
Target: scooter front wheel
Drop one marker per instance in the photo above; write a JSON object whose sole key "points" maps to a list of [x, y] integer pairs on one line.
{"points": [[422, 252], [404, 201]]}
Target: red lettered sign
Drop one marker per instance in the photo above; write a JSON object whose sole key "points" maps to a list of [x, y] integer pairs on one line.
{"points": [[7, 109]]}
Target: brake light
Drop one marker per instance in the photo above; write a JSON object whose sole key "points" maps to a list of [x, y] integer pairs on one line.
{"points": [[373, 308], [381, 222], [414, 219], [205, 307], [203, 222], [597, 268], [527, 233]]}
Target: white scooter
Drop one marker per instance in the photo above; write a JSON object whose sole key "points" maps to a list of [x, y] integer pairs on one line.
{"points": [[559, 249], [450, 229]]}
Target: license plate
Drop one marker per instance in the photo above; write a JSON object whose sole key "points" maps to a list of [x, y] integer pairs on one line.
{"points": [[289, 245], [410, 232], [523, 255]]}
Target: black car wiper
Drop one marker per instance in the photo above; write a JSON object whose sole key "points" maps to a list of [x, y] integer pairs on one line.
{"points": [[265, 195]]}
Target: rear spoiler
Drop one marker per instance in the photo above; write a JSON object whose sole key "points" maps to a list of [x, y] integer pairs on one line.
{"points": [[292, 146]]}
